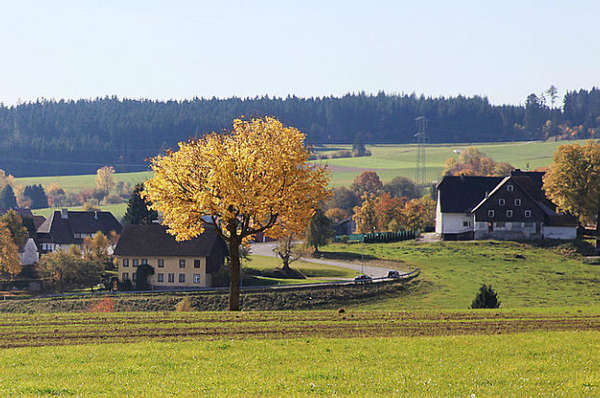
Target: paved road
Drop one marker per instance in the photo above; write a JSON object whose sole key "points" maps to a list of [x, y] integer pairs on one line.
{"points": [[266, 249]]}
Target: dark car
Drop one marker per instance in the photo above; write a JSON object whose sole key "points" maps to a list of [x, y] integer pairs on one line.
{"points": [[363, 279], [393, 274]]}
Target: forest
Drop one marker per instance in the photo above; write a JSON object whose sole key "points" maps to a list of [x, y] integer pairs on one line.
{"points": [[62, 137]]}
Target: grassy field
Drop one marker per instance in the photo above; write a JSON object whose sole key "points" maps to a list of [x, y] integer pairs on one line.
{"points": [[118, 210], [302, 353], [452, 272]]}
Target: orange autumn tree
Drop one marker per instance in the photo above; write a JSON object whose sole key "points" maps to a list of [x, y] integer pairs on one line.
{"points": [[10, 262], [256, 178]]}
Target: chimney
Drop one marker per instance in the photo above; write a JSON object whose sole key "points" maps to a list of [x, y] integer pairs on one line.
{"points": [[487, 194], [95, 214], [64, 213]]}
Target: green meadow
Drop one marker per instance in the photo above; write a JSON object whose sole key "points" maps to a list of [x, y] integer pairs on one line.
{"points": [[516, 365], [522, 274]]}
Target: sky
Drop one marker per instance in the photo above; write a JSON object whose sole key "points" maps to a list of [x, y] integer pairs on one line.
{"points": [[503, 50]]}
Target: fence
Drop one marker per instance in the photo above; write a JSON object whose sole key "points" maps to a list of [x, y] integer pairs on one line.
{"points": [[377, 237]]}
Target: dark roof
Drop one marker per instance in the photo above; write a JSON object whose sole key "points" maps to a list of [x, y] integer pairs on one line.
{"points": [[154, 240], [57, 229], [38, 221], [460, 194], [536, 177]]}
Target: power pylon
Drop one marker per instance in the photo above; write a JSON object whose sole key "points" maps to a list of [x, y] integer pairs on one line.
{"points": [[421, 138]]}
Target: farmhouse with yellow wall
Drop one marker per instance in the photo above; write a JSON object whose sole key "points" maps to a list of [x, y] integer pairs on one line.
{"points": [[189, 263]]}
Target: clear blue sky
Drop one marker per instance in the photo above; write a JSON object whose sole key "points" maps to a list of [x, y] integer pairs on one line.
{"points": [[181, 49]]}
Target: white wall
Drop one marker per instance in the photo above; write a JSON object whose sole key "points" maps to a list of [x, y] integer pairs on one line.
{"points": [[438, 215], [452, 223], [30, 254], [560, 232]]}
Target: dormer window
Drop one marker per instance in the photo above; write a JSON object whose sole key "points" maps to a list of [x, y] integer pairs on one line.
{"points": [[491, 213], [517, 202], [510, 188], [501, 202], [527, 213], [509, 213]]}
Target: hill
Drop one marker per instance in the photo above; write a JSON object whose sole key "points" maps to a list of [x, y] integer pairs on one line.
{"points": [[50, 137]]}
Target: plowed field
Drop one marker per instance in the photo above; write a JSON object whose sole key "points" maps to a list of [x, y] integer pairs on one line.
{"points": [[66, 329]]}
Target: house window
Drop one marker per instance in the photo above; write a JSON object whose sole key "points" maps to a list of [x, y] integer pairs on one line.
{"points": [[196, 263], [196, 278], [517, 202], [490, 213], [501, 202], [509, 213], [161, 263], [171, 278], [527, 213], [182, 263], [510, 188], [160, 277], [465, 223], [136, 262], [145, 261], [181, 278], [133, 275], [125, 276], [125, 262]]}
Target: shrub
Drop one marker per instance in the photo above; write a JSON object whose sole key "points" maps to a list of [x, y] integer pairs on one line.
{"points": [[104, 305], [185, 305], [486, 298], [113, 199]]}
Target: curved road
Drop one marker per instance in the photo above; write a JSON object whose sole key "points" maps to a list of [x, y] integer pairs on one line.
{"points": [[266, 249]]}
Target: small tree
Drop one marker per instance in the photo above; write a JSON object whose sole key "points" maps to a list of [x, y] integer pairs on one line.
{"points": [[138, 209], [141, 277], [10, 262], [16, 226], [402, 187], [63, 270], [486, 298], [287, 251], [367, 182], [319, 230], [105, 179], [365, 215]]}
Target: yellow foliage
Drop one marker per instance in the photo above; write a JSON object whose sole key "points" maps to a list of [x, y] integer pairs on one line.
{"points": [[257, 178], [105, 179], [10, 262], [573, 181]]}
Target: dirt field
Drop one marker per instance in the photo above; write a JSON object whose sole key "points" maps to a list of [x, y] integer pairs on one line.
{"points": [[67, 329]]}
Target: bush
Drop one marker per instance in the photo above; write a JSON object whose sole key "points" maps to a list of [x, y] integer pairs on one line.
{"points": [[104, 305], [486, 298], [113, 199]]}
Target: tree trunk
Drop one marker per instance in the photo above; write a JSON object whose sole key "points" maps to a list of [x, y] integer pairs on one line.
{"points": [[234, 279], [286, 264]]}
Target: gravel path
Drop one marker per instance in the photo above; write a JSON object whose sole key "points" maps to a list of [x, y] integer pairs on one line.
{"points": [[266, 249]]}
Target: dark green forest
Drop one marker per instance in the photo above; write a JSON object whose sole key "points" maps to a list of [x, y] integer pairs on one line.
{"points": [[49, 137]]}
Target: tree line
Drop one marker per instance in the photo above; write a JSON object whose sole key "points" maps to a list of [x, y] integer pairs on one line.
{"points": [[49, 137]]}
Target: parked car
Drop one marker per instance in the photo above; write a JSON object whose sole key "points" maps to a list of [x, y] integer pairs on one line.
{"points": [[393, 274], [363, 279]]}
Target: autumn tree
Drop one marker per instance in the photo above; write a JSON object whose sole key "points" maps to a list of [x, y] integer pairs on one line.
{"points": [[365, 215], [342, 198], [387, 209], [97, 248], [68, 269], [417, 214], [367, 181], [256, 178], [10, 261], [472, 162], [105, 179], [138, 209], [572, 182], [16, 226]]}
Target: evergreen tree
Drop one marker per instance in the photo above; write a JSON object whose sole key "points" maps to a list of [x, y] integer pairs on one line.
{"points": [[138, 211], [486, 298], [37, 194], [319, 230], [7, 198]]}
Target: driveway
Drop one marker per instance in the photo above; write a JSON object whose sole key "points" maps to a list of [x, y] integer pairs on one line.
{"points": [[266, 249]]}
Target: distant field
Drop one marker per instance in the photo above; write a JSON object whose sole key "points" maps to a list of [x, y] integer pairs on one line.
{"points": [[301, 353], [452, 272], [118, 210]]}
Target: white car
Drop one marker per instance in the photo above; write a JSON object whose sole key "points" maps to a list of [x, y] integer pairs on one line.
{"points": [[363, 279]]}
